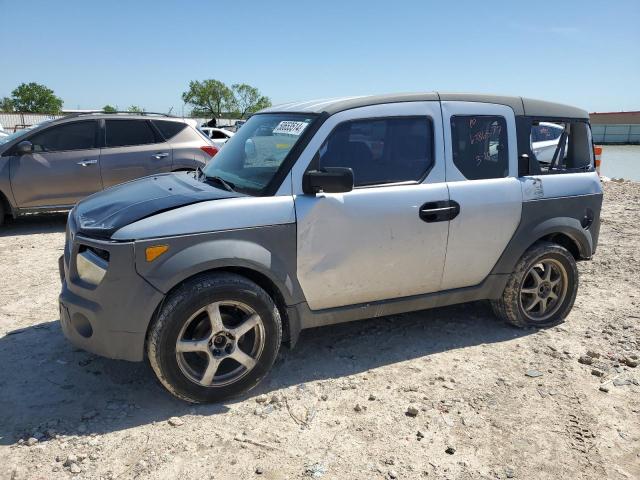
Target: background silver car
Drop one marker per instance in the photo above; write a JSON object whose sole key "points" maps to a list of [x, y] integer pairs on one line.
{"points": [[57, 163]]}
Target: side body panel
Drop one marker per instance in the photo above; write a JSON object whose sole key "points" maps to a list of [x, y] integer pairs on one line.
{"points": [[121, 164], [5, 181], [490, 212], [567, 204], [550, 217], [537, 187], [50, 179], [370, 244], [187, 154], [489, 209]]}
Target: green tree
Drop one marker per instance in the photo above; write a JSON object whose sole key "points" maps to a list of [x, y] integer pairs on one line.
{"points": [[6, 105], [209, 98], [247, 99], [135, 109], [35, 98], [109, 109]]}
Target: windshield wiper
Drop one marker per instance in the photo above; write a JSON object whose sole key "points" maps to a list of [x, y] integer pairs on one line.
{"points": [[227, 185]]}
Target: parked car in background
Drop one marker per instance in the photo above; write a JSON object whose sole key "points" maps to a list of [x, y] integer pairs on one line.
{"points": [[545, 137], [218, 136], [317, 213], [54, 164]]}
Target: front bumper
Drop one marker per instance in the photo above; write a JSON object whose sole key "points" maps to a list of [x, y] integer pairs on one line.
{"points": [[109, 319]]}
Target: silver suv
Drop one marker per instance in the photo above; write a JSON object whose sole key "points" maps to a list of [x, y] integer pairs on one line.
{"points": [[330, 211], [56, 163]]}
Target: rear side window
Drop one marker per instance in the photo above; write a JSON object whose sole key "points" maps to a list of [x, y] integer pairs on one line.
{"points": [[479, 144], [380, 151], [169, 129], [567, 149], [122, 133], [69, 136]]}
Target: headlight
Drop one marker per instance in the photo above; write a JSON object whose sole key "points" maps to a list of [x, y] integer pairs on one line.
{"points": [[92, 264]]}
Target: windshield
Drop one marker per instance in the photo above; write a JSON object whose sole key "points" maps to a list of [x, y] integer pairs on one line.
{"points": [[252, 157]]}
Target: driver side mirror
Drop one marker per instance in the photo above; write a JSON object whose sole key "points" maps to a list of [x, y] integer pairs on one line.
{"points": [[328, 180], [24, 148]]}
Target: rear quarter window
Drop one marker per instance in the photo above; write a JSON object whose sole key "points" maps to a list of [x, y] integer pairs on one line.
{"points": [[169, 129]]}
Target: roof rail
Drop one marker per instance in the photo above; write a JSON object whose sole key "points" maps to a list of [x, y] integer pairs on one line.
{"points": [[102, 112]]}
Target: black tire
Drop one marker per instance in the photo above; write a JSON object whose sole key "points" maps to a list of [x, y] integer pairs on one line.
{"points": [[3, 212], [510, 307], [174, 369]]}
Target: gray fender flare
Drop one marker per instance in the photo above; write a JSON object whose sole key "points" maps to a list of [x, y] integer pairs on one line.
{"points": [[185, 261], [527, 235], [569, 227]]}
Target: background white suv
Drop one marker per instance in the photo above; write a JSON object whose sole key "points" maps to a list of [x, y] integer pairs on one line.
{"points": [[218, 136], [544, 140]]}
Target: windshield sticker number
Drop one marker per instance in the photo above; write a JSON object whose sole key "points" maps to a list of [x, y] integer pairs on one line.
{"points": [[289, 127]]}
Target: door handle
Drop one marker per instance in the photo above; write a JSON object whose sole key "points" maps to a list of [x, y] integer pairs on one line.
{"points": [[84, 163], [440, 211], [160, 155]]}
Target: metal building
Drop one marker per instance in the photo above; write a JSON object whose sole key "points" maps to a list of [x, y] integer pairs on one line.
{"points": [[615, 127]]}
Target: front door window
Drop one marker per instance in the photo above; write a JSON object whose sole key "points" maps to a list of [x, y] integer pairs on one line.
{"points": [[381, 150]]}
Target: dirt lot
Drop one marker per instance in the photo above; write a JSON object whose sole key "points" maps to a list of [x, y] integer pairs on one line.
{"points": [[492, 401]]}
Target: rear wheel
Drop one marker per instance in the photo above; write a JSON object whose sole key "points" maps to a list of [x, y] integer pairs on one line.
{"points": [[215, 337], [3, 212], [542, 289]]}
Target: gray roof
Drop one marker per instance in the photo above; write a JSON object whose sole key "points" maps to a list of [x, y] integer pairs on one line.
{"points": [[519, 105]]}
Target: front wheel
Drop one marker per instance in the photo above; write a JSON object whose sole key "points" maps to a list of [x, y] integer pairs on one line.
{"points": [[542, 289], [215, 337]]}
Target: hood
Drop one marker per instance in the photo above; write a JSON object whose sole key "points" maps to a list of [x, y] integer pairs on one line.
{"points": [[103, 213]]}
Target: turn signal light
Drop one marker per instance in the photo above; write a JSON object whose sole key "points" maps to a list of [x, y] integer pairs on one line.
{"points": [[154, 251]]}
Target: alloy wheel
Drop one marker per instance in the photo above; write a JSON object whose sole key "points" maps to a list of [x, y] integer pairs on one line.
{"points": [[543, 290], [220, 343]]}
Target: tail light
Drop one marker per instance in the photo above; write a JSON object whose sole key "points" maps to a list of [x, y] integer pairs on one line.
{"points": [[209, 150]]}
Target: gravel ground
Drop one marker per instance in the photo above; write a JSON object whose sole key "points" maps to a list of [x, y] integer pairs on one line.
{"points": [[447, 393]]}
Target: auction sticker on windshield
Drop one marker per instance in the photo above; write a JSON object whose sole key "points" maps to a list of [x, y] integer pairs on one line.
{"points": [[290, 127]]}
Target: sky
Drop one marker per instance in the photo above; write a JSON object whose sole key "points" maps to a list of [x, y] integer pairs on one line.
{"points": [[584, 53]]}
